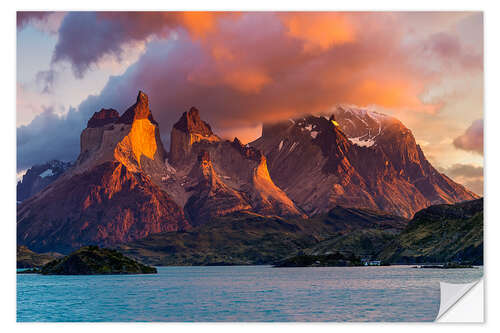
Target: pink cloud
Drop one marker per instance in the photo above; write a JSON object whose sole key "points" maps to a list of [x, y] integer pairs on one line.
{"points": [[472, 139]]}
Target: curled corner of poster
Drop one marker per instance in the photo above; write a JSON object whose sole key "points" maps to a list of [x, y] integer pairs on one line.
{"points": [[461, 303]]}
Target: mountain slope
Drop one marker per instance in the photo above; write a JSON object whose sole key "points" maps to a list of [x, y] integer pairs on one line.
{"points": [[319, 166], [211, 196], [441, 233], [29, 259], [111, 194], [397, 142]]}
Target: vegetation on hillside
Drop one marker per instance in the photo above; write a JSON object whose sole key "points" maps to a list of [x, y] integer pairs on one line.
{"points": [[29, 259], [440, 234], [92, 260]]}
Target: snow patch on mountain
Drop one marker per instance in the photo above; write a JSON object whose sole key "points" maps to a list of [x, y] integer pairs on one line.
{"points": [[362, 143], [47, 173]]}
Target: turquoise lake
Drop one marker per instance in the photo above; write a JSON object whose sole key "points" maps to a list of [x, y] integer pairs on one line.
{"points": [[240, 293]]}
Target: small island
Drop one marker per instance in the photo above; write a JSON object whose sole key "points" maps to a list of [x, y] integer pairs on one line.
{"points": [[92, 260]]}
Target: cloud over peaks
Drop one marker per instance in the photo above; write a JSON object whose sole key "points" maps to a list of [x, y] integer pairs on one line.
{"points": [[243, 69]]}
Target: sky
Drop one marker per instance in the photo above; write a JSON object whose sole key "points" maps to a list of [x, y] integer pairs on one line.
{"points": [[241, 69]]}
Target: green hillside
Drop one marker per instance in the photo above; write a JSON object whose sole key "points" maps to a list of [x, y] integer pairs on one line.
{"points": [[441, 233]]}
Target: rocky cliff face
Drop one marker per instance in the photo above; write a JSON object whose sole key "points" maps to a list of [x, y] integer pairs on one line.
{"points": [[375, 164], [211, 196], [132, 139], [217, 177], [112, 194], [189, 130]]}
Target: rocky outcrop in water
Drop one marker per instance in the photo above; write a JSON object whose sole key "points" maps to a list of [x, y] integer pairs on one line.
{"points": [[92, 260]]}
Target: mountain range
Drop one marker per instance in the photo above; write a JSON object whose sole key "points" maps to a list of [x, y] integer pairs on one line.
{"points": [[354, 158], [38, 177], [125, 187]]}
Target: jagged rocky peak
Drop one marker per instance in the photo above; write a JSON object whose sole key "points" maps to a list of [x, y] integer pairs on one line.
{"points": [[303, 133], [308, 126], [113, 193], [140, 110], [248, 151], [187, 131], [128, 139], [365, 127], [103, 117], [191, 122], [211, 196]]}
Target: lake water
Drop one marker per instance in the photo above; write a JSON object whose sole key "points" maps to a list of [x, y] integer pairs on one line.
{"points": [[240, 293]]}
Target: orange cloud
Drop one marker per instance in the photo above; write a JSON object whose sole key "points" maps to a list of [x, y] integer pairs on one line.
{"points": [[222, 53], [391, 93], [244, 134], [246, 80], [319, 30], [199, 23]]}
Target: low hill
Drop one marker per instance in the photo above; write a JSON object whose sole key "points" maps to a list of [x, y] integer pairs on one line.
{"points": [[441, 233], [29, 259], [327, 260], [363, 243], [92, 260], [246, 238]]}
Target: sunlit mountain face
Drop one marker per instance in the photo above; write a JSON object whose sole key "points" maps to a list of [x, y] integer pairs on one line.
{"points": [[274, 113], [124, 186], [249, 68]]}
